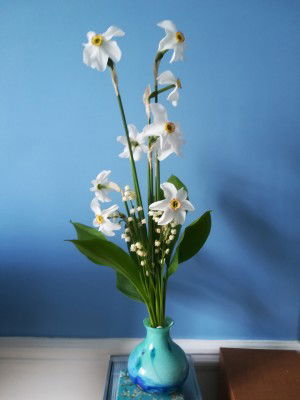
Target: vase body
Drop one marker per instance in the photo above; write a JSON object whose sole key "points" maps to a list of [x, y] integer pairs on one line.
{"points": [[157, 364]]}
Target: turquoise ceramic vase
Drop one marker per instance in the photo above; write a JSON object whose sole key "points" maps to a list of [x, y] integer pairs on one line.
{"points": [[158, 365]]}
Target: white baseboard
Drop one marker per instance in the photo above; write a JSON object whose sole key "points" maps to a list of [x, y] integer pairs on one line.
{"points": [[92, 349]]}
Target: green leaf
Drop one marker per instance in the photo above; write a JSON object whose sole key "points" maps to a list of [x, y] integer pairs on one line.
{"points": [[85, 232], [191, 241], [104, 252], [127, 288], [177, 183]]}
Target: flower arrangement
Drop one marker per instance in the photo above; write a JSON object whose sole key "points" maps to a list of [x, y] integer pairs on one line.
{"points": [[151, 233]]}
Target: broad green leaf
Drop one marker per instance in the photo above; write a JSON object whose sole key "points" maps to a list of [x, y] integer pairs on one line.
{"points": [[85, 232], [191, 241], [127, 288], [104, 252], [177, 183]]}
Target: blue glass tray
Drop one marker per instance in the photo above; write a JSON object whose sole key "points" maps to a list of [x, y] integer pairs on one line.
{"points": [[117, 365]]}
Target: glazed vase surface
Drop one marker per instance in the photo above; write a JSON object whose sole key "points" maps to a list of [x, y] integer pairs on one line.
{"points": [[157, 364]]}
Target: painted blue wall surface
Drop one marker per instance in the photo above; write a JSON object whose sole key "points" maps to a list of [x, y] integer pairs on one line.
{"points": [[240, 113]]}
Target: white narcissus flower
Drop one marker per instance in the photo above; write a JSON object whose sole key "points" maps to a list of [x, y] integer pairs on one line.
{"points": [[167, 78], [102, 186], [137, 141], [174, 206], [100, 48], [170, 135], [174, 40], [101, 220]]}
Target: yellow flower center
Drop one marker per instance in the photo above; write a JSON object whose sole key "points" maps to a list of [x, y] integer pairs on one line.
{"points": [[99, 219], [175, 204], [97, 40], [169, 127], [178, 83], [180, 37]]}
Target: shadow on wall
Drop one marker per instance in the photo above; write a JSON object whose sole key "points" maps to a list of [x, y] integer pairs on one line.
{"points": [[258, 288]]}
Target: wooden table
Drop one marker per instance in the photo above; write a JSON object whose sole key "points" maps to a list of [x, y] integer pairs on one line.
{"points": [[247, 374]]}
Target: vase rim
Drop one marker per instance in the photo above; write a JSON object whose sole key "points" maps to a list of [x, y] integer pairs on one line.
{"points": [[168, 324]]}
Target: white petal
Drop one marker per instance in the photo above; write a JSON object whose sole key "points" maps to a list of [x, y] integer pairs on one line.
{"points": [[168, 42], [125, 153], [159, 113], [160, 205], [102, 196], [100, 62], [86, 55], [168, 25], [110, 210], [144, 148], [90, 34], [187, 205], [111, 225], [95, 206], [111, 32], [181, 194], [102, 176], [173, 97], [112, 50], [178, 53], [153, 130], [180, 217], [166, 218], [162, 154], [137, 153], [175, 142], [166, 78], [133, 132], [170, 191], [123, 140], [140, 138], [114, 186], [95, 223], [106, 231]]}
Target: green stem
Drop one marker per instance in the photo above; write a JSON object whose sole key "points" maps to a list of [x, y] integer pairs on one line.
{"points": [[157, 92]]}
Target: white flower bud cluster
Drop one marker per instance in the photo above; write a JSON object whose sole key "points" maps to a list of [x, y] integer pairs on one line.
{"points": [[128, 194], [155, 215], [139, 250], [126, 235]]}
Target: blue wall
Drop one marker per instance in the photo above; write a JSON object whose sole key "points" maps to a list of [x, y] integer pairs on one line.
{"points": [[239, 111]]}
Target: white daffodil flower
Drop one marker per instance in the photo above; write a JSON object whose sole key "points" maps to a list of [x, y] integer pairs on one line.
{"points": [[100, 48], [174, 40], [170, 135], [174, 206], [101, 220], [102, 186], [137, 141], [167, 78]]}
